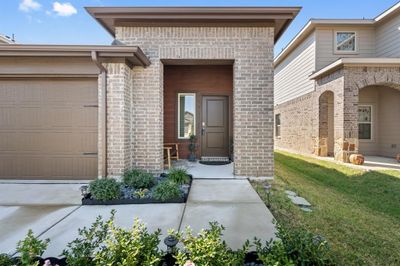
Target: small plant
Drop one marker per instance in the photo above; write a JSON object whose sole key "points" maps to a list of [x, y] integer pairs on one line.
{"points": [[192, 148], [166, 190], [105, 189], [130, 247], [207, 248], [179, 176], [6, 260], [82, 250], [138, 179], [141, 193], [302, 247], [273, 253], [30, 249]]}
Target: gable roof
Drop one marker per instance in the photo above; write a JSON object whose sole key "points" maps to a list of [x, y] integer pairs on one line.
{"points": [[112, 17], [313, 23]]}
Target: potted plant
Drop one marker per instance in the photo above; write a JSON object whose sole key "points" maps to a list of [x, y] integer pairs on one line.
{"points": [[192, 148]]}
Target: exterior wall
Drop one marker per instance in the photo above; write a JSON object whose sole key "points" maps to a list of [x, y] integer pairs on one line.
{"points": [[119, 118], [297, 125], [202, 80], [252, 50], [370, 96], [325, 38], [389, 122], [291, 75], [385, 123], [387, 38]]}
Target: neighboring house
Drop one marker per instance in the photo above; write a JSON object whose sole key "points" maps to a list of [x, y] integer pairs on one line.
{"points": [[337, 88], [5, 39], [79, 112]]}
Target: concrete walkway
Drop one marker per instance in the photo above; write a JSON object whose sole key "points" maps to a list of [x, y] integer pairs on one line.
{"points": [[198, 170], [231, 202]]}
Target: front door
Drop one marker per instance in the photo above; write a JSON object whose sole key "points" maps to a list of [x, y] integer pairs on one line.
{"points": [[214, 126]]}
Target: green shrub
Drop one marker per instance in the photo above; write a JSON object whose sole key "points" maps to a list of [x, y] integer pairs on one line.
{"points": [[6, 260], [273, 253], [304, 248], [179, 176], [166, 190], [82, 250], [207, 248], [130, 247], [138, 179], [105, 189], [30, 248]]}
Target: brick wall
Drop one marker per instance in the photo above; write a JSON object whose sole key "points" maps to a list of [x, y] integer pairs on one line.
{"points": [[252, 52], [119, 118], [297, 125]]}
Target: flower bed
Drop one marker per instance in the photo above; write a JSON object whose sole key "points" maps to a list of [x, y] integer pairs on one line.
{"points": [[139, 187]]}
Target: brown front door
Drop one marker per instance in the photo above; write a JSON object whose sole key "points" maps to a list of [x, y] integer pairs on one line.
{"points": [[214, 126]]}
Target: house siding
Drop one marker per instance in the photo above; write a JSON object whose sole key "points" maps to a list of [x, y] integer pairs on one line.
{"points": [[251, 48], [291, 75], [387, 38], [325, 38]]}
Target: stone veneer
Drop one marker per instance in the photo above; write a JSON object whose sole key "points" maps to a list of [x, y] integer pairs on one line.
{"points": [[135, 98], [300, 118]]}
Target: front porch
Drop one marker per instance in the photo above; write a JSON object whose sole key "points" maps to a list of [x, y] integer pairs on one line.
{"points": [[358, 109]]}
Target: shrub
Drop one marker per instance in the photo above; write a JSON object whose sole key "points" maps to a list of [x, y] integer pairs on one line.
{"points": [[6, 260], [166, 190], [130, 247], [138, 179], [30, 248], [81, 251], [208, 248], [304, 248], [179, 176], [273, 253], [105, 189]]}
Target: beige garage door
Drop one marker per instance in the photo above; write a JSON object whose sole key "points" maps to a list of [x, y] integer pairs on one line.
{"points": [[48, 129]]}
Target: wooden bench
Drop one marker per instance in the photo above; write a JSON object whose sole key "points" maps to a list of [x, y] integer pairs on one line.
{"points": [[171, 152]]}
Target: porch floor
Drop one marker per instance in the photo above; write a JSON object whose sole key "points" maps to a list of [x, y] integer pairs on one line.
{"points": [[198, 170], [372, 163]]}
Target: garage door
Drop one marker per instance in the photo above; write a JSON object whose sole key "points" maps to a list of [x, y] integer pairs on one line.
{"points": [[48, 129]]}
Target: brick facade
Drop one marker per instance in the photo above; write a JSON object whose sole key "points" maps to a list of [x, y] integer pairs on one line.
{"points": [[304, 117], [135, 98]]}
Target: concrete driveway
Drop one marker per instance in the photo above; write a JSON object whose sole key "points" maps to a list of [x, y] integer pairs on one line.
{"points": [[231, 202]]}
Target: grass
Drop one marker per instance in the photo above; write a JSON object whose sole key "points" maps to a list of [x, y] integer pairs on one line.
{"points": [[358, 212]]}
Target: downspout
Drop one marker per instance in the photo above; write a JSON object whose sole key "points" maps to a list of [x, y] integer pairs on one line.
{"points": [[103, 112]]}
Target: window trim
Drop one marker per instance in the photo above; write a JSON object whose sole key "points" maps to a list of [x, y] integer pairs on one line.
{"points": [[276, 126], [371, 122], [336, 51], [178, 113]]}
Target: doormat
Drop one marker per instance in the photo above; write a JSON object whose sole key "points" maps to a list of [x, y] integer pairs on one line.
{"points": [[207, 162]]}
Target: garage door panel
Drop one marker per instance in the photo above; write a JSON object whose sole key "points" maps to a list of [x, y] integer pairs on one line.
{"points": [[45, 129]]}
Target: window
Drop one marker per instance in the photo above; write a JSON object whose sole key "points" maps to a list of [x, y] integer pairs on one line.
{"points": [[345, 41], [186, 115], [278, 125], [365, 122]]}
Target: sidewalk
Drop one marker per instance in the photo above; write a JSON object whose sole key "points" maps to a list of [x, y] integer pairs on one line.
{"points": [[231, 202]]}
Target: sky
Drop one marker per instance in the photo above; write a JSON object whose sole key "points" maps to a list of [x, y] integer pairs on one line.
{"points": [[67, 22]]}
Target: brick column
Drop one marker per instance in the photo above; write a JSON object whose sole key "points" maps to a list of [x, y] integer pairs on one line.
{"points": [[119, 102]]}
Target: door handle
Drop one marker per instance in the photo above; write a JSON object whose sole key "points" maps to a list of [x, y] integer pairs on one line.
{"points": [[203, 128]]}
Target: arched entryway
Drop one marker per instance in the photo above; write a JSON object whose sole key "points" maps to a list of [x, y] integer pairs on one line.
{"points": [[326, 124], [379, 120]]}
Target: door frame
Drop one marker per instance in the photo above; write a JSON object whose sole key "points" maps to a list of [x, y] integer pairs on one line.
{"points": [[229, 120]]}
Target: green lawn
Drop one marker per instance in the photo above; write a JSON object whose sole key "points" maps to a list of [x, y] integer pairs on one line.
{"points": [[357, 212]]}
